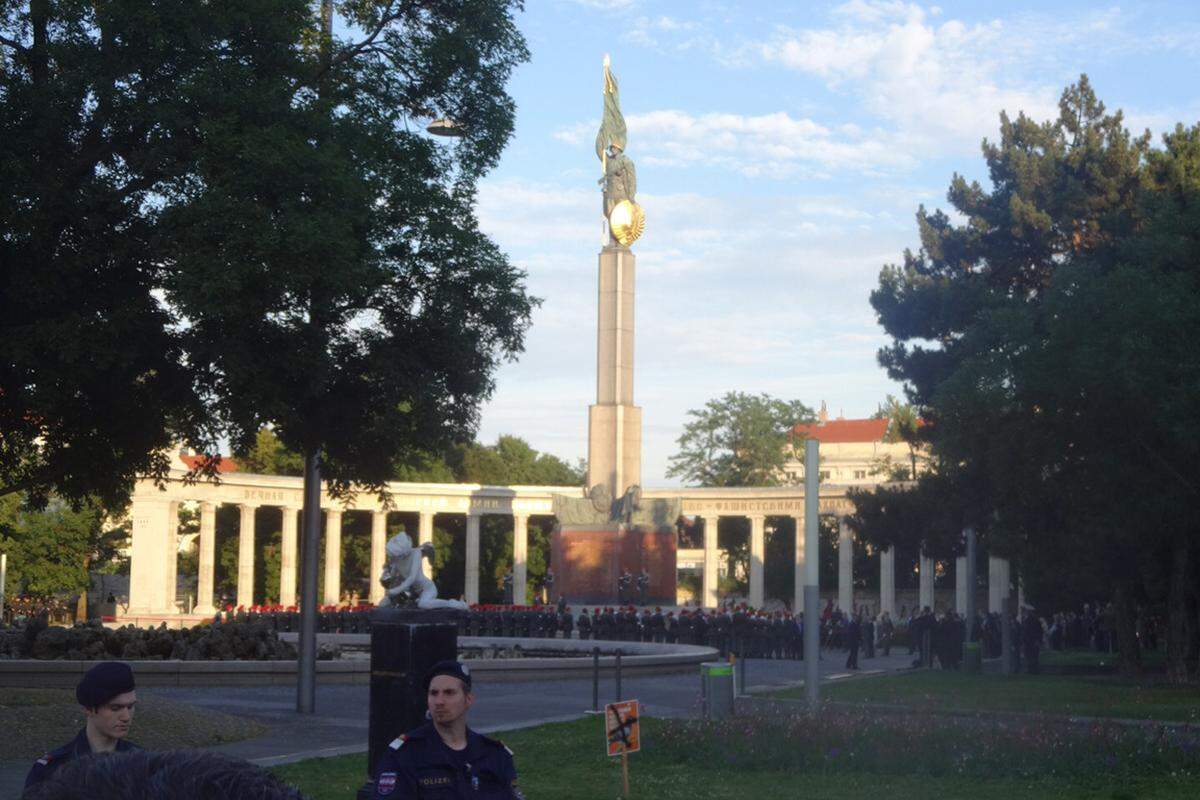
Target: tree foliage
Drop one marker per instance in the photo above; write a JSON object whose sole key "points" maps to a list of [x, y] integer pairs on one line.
{"points": [[325, 232], [269, 456], [1049, 341], [738, 440], [49, 551], [211, 223], [95, 121]]}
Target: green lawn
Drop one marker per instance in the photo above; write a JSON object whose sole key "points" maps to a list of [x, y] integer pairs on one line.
{"points": [[1154, 660], [687, 761], [46, 718], [1051, 694]]}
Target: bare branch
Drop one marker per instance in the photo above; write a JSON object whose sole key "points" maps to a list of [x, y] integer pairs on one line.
{"points": [[14, 44], [19, 486], [389, 16]]}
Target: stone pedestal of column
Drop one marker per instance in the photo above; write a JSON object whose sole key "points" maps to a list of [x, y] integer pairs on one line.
{"points": [[405, 643], [587, 561]]}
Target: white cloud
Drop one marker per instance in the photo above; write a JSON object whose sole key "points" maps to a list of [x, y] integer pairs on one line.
{"points": [[939, 84], [775, 145]]}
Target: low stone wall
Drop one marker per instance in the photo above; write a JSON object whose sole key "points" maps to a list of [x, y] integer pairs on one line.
{"points": [[637, 658]]}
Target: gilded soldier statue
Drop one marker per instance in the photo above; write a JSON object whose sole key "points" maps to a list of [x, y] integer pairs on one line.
{"points": [[624, 216]]}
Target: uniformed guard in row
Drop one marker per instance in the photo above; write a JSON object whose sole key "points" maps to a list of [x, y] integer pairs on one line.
{"points": [[107, 695], [444, 758]]}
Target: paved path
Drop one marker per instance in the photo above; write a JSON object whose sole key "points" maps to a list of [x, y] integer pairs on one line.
{"points": [[340, 723]]}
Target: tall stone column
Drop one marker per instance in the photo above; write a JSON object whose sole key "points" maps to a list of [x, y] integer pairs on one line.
{"points": [[887, 581], [926, 582], [471, 579], [520, 557], [333, 556], [172, 564], [999, 584], [245, 579], [378, 542], [287, 557], [960, 585], [207, 559], [845, 566], [798, 571], [757, 547], [425, 536], [614, 422], [148, 546], [710, 561]]}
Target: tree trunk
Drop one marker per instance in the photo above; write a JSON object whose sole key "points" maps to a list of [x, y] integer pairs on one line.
{"points": [[1179, 623], [1125, 613]]}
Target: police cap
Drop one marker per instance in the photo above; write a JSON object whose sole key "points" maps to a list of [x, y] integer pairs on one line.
{"points": [[103, 682], [455, 669]]}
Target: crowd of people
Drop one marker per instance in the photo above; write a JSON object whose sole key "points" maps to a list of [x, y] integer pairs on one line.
{"points": [[23, 607]]}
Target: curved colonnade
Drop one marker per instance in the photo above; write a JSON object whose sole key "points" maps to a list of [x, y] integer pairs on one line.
{"points": [[155, 518]]}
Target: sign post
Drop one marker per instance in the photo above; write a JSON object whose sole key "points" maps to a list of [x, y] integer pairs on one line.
{"points": [[622, 734]]}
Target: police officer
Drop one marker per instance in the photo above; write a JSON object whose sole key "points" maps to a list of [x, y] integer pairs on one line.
{"points": [[444, 758], [107, 696]]}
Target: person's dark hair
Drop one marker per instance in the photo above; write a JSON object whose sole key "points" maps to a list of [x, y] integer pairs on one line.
{"points": [[169, 775]]}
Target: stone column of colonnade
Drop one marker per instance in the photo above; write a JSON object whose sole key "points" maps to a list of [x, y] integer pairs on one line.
{"points": [[333, 556], [471, 579], [887, 581], [208, 552], [757, 546], [245, 573], [172, 565], [845, 566], [378, 555], [520, 570], [709, 593], [925, 589], [288, 562], [999, 583]]}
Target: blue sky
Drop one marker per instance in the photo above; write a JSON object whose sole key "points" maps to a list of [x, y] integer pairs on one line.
{"points": [[782, 150]]}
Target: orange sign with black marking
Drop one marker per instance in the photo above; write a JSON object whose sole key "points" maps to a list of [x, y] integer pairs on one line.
{"points": [[622, 728]]}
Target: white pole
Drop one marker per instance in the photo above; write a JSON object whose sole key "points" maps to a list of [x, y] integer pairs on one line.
{"points": [[3, 581]]}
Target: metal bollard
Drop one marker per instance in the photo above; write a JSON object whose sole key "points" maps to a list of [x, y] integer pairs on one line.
{"points": [[718, 692], [618, 674], [596, 679], [741, 671]]}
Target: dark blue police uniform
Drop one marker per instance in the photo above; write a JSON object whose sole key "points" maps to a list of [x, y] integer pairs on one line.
{"points": [[78, 747], [420, 766]]}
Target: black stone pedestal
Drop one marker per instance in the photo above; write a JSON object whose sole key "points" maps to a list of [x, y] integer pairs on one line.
{"points": [[405, 644]]}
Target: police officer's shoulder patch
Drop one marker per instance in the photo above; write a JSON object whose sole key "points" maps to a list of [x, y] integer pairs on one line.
{"points": [[386, 783], [46, 759], [398, 742]]}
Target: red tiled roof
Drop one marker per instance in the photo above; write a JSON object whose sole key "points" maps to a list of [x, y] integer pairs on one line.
{"points": [[843, 431], [227, 464]]}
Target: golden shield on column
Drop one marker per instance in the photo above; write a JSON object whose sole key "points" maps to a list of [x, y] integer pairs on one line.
{"points": [[626, 221]]}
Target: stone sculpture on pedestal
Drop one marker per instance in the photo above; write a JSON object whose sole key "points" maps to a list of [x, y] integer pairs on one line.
{"points": [[404, 582]]}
